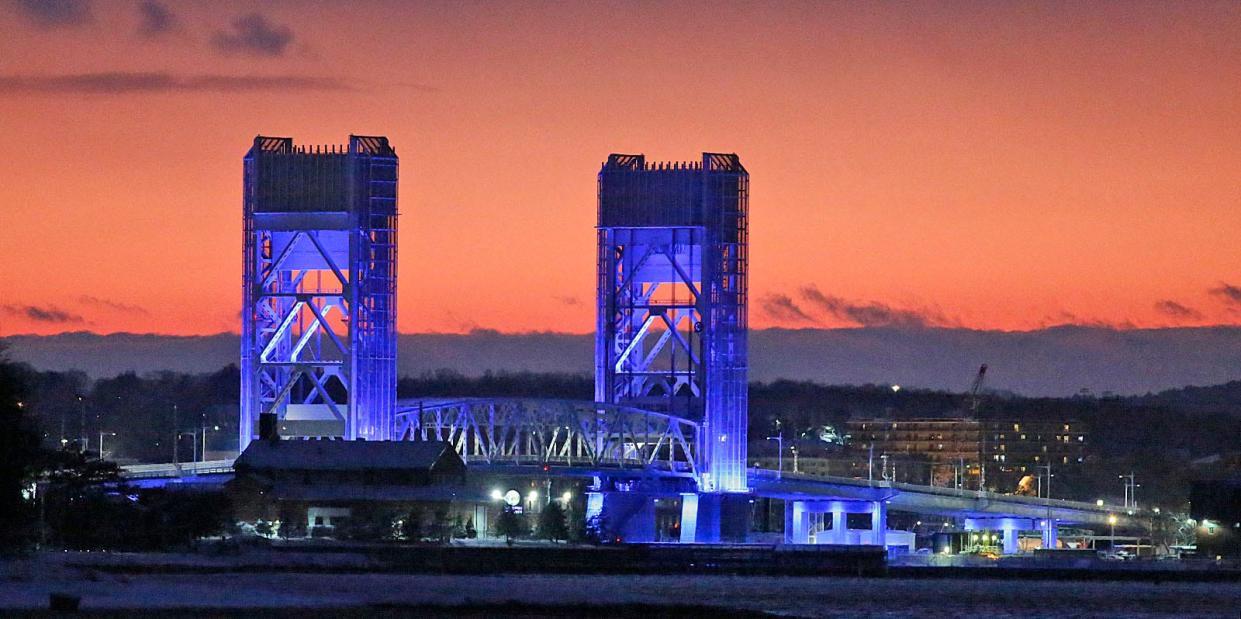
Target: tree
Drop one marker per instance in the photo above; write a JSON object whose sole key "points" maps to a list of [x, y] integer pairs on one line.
{"points": [[510, 524], [470, 531], [19, 456], [552, 523], [411, 528], [442, 526]]}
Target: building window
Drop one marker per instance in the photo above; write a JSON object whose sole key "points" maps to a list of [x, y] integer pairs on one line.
{"points": [[318, 521]]}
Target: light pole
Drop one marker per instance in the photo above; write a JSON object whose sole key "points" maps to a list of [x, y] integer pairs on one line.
{"points": [[1040, 477], [1111, 544], [779, 439], [176, 436], [194, 435], [101, 435], [1131, 490]]}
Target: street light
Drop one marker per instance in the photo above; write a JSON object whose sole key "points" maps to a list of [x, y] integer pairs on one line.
{"points": [[101, 435], [779, 439], [1111, 520], [1131, 489]]}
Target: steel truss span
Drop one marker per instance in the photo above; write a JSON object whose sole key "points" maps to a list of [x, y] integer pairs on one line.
{"points": [[561, 432], [319, 303], [671, 292]]}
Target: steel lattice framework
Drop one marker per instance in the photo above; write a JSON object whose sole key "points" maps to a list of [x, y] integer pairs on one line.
{"points": [[671, 291], [563, 432], [319, 303]]}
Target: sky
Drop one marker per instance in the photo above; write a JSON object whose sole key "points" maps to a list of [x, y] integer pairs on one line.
{"points": [[1003, 166]]}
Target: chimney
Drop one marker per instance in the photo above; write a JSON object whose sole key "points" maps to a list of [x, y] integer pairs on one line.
{"points": [[268, 430]]}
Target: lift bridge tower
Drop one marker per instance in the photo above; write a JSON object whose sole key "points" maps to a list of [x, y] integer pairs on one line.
{"points": [[318, 341], [671, 332]]}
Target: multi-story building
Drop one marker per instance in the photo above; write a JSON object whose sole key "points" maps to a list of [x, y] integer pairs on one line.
{"points": [[962, 451]]}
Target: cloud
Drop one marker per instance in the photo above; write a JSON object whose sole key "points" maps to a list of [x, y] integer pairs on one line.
{"points": [[1229, 293], [49, 314], [255, 35], [119, 83], [112, 305], [157, 19], [782, 308], [1173, 309], [872, 313], [1065, 318], [55, 13]]}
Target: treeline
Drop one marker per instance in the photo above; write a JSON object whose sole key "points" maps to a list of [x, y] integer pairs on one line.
{"points": [[135, 417], [138, 414]]}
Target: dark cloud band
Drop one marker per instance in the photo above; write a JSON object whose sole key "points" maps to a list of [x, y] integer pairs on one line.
{"points": [[118, 83]]}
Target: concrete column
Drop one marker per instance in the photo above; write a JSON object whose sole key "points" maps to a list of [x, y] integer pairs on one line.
{"points": [[878, 523], [1010, 539], [801, 523], [788, 521], [689, 517], [840, 526], [1051, 534]]}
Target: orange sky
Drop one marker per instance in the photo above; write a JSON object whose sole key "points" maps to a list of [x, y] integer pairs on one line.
{"points": [[989, 165]]}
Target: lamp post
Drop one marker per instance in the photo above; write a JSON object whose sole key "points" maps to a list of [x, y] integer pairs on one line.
{"points": [[779, 439], [1111, 520], [101, 435], [1040, 477], [1131, 490]]}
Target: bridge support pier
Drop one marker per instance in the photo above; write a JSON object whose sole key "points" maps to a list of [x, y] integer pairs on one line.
{"points": [[878, 523], [1010, 529], [802, 516], [722, 517], [1051, 533]]}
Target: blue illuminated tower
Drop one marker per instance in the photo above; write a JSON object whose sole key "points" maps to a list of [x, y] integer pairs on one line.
{"points": [[671, 332], [318, 341]]}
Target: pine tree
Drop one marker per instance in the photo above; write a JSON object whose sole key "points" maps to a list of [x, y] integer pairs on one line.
{"points": [[552, 522], [510, 524]]}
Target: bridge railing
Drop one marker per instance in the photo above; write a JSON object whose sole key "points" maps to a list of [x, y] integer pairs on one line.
{"points": [[152, 471], [540, 431], [952, 492]]}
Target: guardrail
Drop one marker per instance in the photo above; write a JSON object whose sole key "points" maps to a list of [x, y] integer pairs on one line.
{"points": [[180, 469]]}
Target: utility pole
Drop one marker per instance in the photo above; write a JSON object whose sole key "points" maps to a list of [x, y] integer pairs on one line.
{"points": [[870, 463]]}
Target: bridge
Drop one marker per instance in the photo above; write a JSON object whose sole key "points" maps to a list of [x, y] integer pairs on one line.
{"points": [[608, 443]]}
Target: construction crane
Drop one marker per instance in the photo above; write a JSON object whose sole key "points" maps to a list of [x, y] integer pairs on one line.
{"points": [[976, 389], [975, 400]]}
